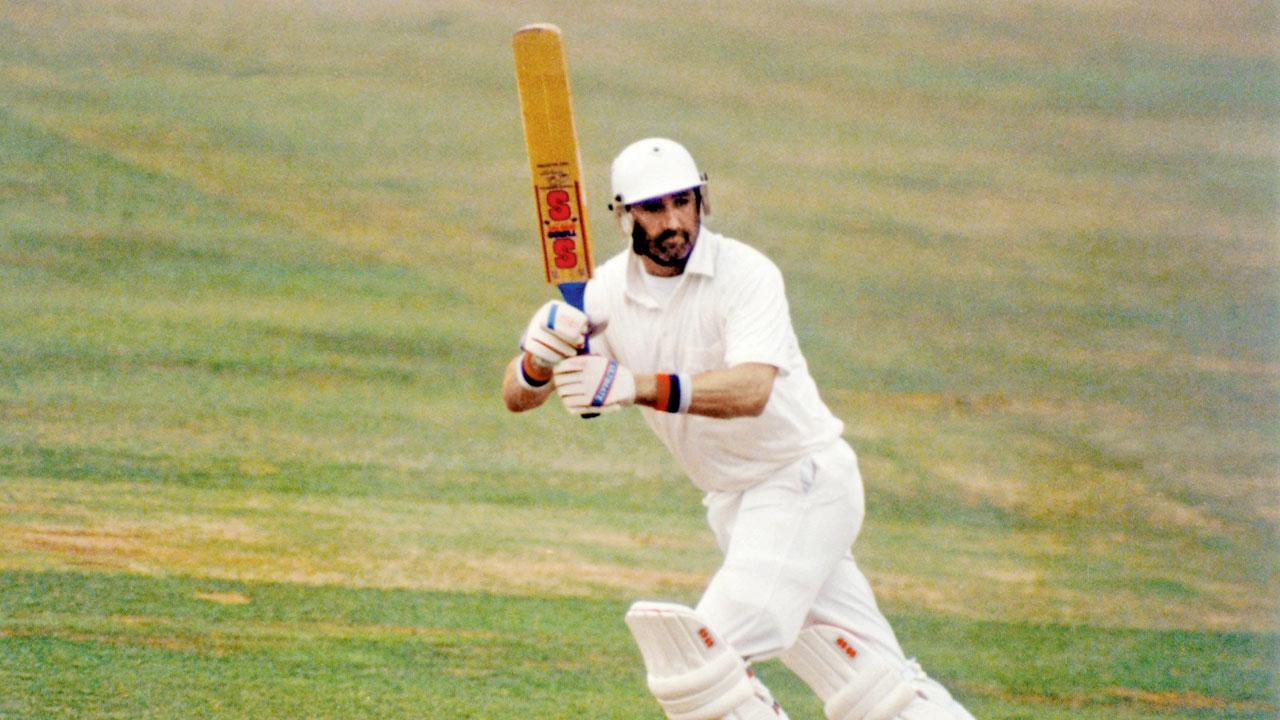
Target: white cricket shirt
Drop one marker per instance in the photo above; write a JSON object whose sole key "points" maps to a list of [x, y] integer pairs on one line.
{"points": [[728, 307]]}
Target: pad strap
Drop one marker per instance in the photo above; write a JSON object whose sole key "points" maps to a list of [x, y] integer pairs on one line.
{"points": [[711, 691]]}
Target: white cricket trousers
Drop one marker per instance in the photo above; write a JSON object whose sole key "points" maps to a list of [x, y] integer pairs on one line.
{"points": [[787, 559]]}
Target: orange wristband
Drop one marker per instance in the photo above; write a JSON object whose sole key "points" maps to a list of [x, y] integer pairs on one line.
{"points": [[662, 396], [674, 393], [530, 373]]}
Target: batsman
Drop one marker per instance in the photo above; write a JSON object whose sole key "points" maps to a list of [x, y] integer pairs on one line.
{"points": [[694, 328]]}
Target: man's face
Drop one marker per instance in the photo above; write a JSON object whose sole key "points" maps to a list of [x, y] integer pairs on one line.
{"points": [[665, 230]]}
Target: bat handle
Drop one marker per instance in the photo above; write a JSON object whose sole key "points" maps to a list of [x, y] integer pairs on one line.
{"points": [[575, 294], [586, 348]]}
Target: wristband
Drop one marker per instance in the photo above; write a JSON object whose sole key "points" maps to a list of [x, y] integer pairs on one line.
{"points": [[526, 378], [674, 393]]}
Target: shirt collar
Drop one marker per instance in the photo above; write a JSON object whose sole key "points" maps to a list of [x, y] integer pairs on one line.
{"points": [[702, 261]]}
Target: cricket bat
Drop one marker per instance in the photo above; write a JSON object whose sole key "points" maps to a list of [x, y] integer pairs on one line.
{"points": [[542, 79]]}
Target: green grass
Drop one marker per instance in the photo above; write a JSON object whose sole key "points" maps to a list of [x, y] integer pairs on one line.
{"points": [[262, 263], [218, 648]]}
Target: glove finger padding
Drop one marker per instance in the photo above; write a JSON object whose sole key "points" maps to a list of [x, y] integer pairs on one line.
{"points": [[590, 384], [546, 348], [555, 332]]}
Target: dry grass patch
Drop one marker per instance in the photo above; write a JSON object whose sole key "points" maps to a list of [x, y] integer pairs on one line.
{"points": [[353, 542]]}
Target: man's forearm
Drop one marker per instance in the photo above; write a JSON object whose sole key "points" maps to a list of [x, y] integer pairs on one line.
{"points": [[739, 391], [517, 395]]}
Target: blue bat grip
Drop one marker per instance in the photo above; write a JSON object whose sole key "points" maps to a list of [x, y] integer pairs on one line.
{"points": [[575, 294]]}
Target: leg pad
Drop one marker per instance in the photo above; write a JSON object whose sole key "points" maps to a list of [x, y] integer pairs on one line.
{"points": [[853, 683], [692, 672]]}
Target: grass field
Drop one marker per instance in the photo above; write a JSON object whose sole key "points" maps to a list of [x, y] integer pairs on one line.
{"points": [[262, 263]]}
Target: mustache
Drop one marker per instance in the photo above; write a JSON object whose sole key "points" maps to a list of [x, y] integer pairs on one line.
{"points": [[666, 235]]}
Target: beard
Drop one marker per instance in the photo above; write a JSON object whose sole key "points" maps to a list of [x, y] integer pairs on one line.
{"points": [[643, 244]]}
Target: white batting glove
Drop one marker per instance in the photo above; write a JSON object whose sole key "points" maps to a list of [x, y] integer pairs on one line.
{"points": [[557, 331], [590, 384]]}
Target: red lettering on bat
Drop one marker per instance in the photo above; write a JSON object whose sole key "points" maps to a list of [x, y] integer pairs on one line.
{"points": [[558, 207], [566, 253]]}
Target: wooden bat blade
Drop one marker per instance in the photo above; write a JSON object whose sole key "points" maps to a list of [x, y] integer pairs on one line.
{"points": [[542, 79]]}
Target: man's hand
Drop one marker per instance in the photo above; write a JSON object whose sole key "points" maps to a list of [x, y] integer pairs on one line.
{"points": [[557, 331], [590, 384]]}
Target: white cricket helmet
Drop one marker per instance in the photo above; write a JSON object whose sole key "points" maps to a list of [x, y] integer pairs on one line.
{"points": [[652, 168]]}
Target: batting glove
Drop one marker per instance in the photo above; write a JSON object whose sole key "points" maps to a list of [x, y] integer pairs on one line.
{"points": [[557, 331], [590, 384]]}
